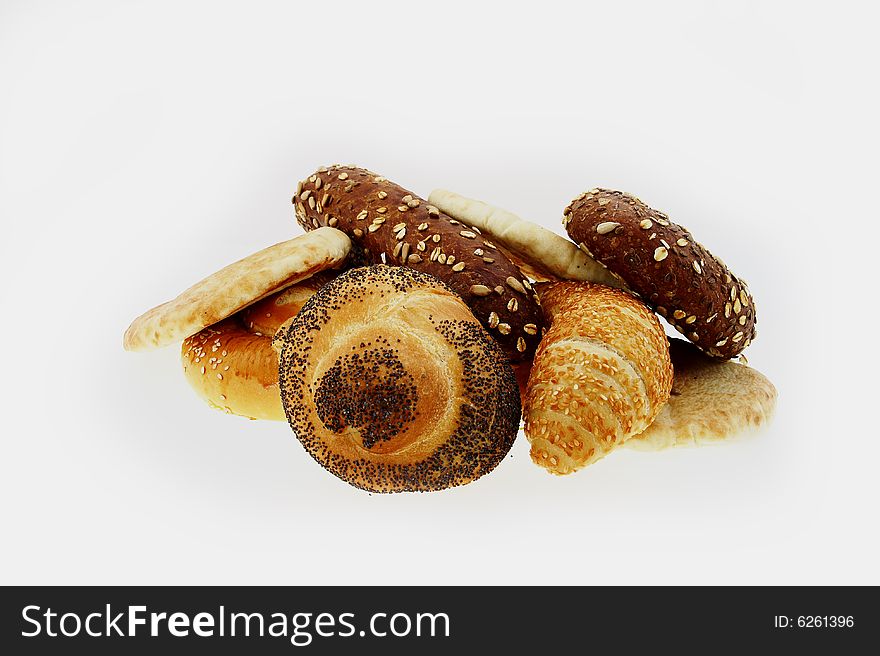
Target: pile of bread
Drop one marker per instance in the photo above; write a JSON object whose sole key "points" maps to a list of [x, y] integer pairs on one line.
{"points": [[404, 339]]}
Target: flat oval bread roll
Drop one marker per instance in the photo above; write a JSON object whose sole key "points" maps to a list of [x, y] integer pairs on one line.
{"points": [[711, 401], [538, 247], [227, 291]]}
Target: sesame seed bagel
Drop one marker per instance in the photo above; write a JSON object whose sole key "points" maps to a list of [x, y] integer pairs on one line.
{"points": [[600, 376], [660, 261], [711, 401], [391, 384], [236, 286], [390, 225], [232, 366]]}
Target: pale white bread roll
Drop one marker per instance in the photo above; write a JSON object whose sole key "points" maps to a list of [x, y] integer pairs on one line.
{"points": [[532, 246], [227, 291], [711, 401], [601, 375]]}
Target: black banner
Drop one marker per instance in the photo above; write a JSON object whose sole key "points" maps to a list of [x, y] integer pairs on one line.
{"points": [[422, 620]]}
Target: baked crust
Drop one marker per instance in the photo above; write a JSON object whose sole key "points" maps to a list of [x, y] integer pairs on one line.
{"points": [[392, 385], [600, 376], [391, 225], [236, 286], [711, 401], [663, 263]]}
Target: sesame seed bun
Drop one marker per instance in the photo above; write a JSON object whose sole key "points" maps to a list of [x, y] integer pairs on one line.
{"points": [[232, 366], [600, 376], [392, 385], [663, 263], [227, 291], [711, 401]]}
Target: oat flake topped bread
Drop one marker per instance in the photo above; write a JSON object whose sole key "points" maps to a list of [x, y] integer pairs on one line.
{"points": [[390, 225], [659, 260]]}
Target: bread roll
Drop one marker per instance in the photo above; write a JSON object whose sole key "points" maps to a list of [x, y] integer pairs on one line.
{"points": [[711, 401], [392, 385], [232, 365], [663, 263], [236, 286], [390, 225], [600, 376], [544, 254]]}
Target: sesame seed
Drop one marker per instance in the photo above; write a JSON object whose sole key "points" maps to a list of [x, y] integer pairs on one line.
{"points": [[458, 267], [530, 329], [606, 227], [222, 397], [515, 285], [504, 328], [493, 320], [219, 376], [520, 344], [660, 254], [480, 290], [645, 224], [203, 370]]}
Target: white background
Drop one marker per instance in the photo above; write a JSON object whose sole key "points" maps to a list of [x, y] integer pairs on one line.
{"points": [[145, 144]]}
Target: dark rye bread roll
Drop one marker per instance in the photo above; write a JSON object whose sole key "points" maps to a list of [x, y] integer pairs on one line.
{"points": [[391, 384], [660, 261], [390, 225]]}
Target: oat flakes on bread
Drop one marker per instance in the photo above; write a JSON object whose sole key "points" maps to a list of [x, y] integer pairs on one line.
{"points": [[390, 225], [663, 263]]}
